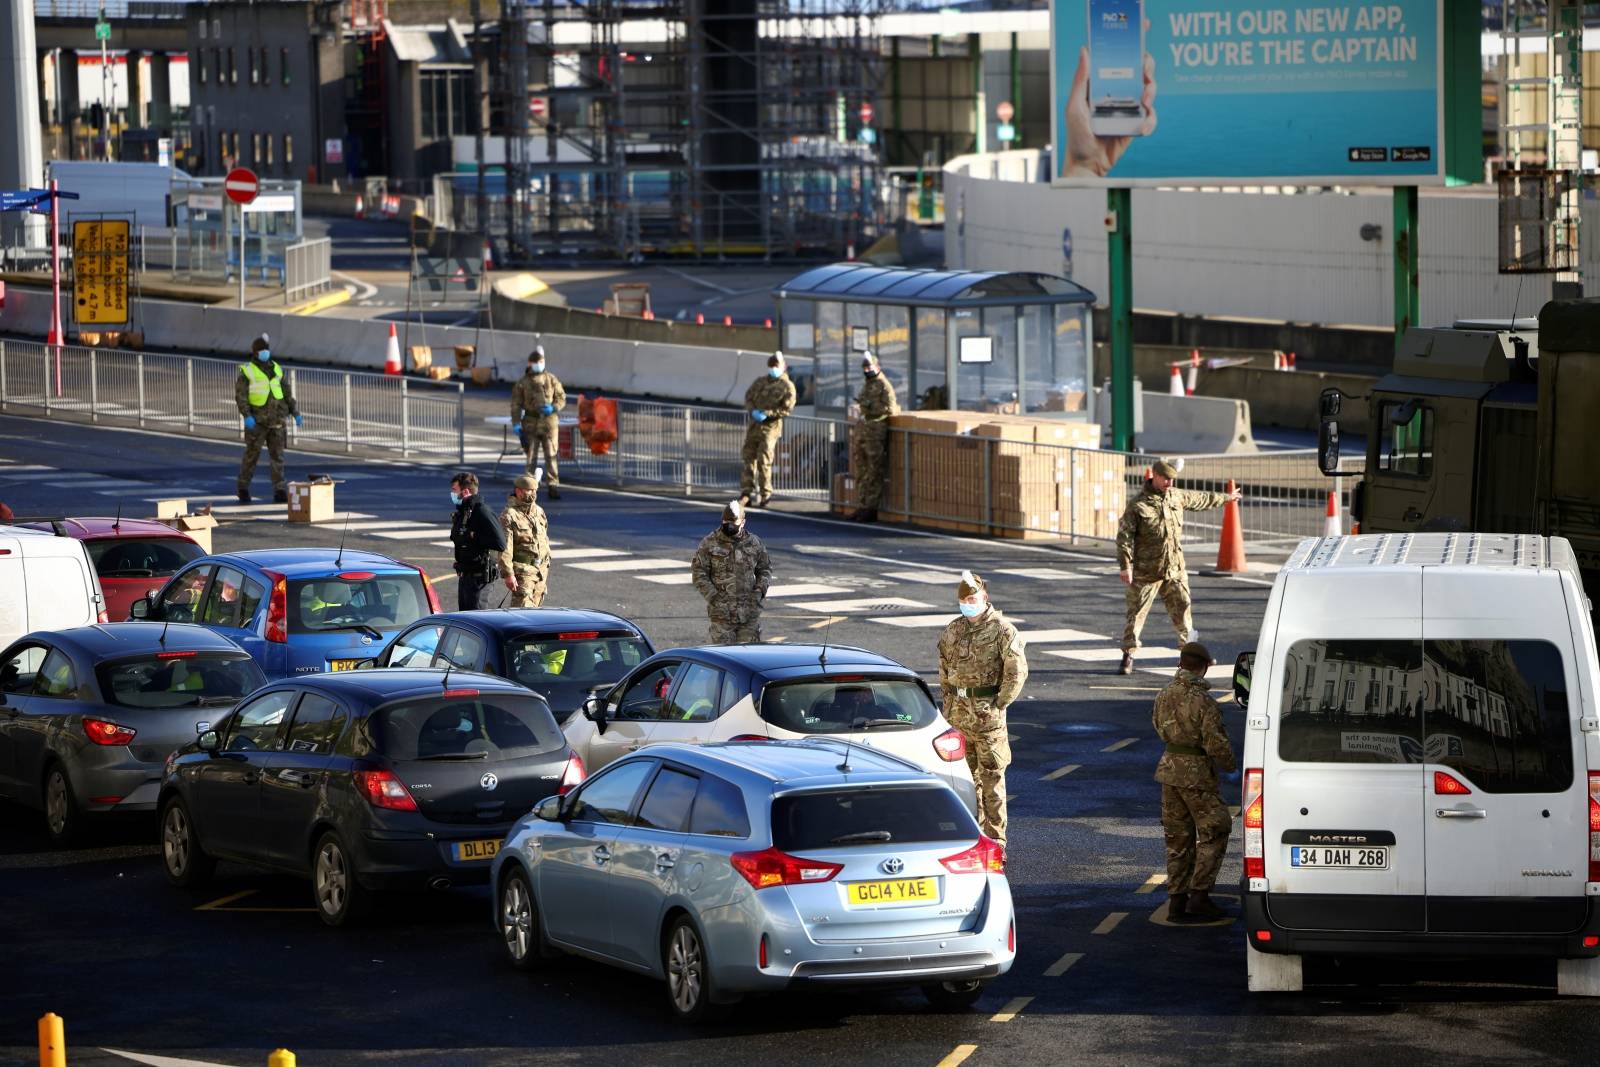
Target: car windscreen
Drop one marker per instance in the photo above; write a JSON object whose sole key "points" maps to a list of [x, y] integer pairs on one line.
{"points": [[380, 602], [141, 557], [180, 680], [487, 727], [566, 668], [862, 816], [847, 704]]}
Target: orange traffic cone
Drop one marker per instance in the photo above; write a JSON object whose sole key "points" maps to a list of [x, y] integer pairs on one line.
{"points": [[699, 318], [1175, 383], [1230, 554], [1332, 525], [766, 324], [1192, 380], [727, 320], [1291, 360], [649, 316], [391, 360], [361, 207]]}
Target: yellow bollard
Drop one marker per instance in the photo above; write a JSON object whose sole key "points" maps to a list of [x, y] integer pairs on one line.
{"points": [[52, 1041], [280, 1058]]}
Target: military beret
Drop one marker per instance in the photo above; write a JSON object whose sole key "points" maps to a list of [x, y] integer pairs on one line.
{"points": [[970, 585], [1194, 650], [529, 481], [1163, 468], [733, 512]]}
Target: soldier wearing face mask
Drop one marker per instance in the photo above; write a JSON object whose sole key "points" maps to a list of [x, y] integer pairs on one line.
{"points": [[769, 398], [265, 403], [732, 572], [536, 403], [982, 666], [869, 437]]}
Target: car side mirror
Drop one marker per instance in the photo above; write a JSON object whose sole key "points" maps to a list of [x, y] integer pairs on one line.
{"points": [[140, 609], [209, 741], [594, 709], [1242, 669], [548, 809]]}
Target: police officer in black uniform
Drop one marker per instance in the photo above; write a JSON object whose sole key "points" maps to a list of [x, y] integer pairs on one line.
{"points": [[478, 539]]}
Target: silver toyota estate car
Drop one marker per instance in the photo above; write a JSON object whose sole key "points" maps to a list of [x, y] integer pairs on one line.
{"points": [[746, 867]]}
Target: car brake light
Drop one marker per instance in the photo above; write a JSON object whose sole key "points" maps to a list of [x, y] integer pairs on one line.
{"points": [[102, 732], [105, 800], [1594, 826], [278, 609], [1591, 941], [769, 868], [383, 790], [1447, 785], [579, 635], [173, 655], [573, 776], [356, 576], [427, 587], [460, 692], [951, 745], [986, 857], [1263, 935], [1255, 857], [750, 737]]}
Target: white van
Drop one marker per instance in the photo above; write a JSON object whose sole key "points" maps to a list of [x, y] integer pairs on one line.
{"points": [[46, 583], [1422, 757]]}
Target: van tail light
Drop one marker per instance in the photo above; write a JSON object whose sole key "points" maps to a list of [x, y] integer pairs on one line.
{"points": [[1255, 857], [1011, 936], [383, 790], [1594, 826], [986, 857], [427, 587], [951, 745], [572, 777], [769, 868], [277, 609], [103, 732]]}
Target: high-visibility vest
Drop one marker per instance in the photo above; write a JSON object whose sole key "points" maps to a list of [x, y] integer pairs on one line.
{"points": [[262, 386]]}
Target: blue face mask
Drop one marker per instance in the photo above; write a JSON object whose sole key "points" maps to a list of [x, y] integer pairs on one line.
{"points": [[265, 355], [775, 372], [970, 610], [455, 497], [537, 368]]}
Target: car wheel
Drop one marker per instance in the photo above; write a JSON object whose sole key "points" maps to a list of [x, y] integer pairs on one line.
{"points": [[61, 815], [521, 930], [954, 996], [340, 898], [688, 968], [186, 863]]}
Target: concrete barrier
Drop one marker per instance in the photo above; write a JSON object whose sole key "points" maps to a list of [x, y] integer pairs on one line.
{"points": [[508, 310], [1195, 425]]}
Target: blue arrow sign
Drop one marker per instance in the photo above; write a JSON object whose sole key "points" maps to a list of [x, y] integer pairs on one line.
{"points": [[23, 199]]}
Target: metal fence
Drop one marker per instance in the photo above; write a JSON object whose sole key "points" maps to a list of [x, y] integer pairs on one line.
{"points": [[342, 411], [307, 269]]}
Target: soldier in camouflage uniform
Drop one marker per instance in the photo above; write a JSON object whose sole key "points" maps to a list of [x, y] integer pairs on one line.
{"points": [[265, 402], [869, 437], [525, 563], [767, 401], [536, 403], [1150, 550], [732, 572], [982, 665], [1193, 816]]}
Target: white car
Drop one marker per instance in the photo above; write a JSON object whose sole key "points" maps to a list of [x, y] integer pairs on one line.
{"points": [[47, 582], [773, 692], [1422, 757]]}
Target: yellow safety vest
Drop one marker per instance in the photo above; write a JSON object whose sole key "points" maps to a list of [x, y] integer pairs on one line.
{"points": [[262, 386]]}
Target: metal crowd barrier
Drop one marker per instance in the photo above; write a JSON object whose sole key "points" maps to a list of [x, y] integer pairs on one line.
{"points": [[307, 268], [343, 411]]}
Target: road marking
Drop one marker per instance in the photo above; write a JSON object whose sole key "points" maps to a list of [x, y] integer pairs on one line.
{"points": [[1109, 923], [422, 534], [389, 524], [1012, 1009], [958, 1056], [1151, 882], [215, 904], [584, 553], [805, 589], [911, 621], [610, 565], [1108, 655], [1118, 746], [1044, 574], [1217, 671], [1060, 772], [925, 577], [442, 544], [1063, 965], [666, 579], [1132, 688], [829, 621], [863, 605], [160, 1061], [1050, 637]]}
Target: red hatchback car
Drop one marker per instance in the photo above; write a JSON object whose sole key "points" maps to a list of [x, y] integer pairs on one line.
{"points": [[128, 554]]}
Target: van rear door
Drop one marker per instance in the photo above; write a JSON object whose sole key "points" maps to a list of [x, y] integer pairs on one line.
{"points": [[1507, 808], [1343, 778], [63, 591]]}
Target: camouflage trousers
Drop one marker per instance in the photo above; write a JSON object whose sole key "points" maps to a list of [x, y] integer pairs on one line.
{"points": [[731, 632], [275, 438], [869, 450], [530, 586], [1141, 595], [988, 755], [760, 443], [544, 435], [1196, 824]]}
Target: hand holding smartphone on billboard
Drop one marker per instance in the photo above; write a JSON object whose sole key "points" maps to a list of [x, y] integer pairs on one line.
{"points": [[1113, 93]]}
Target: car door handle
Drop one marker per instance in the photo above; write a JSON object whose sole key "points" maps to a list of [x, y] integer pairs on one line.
{"points": [[665, 861], [602, 855], [1460, 813], [303, 779]]}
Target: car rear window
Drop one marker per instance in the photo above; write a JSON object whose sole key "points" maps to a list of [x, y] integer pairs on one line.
{"points": [[180, 680], [847, 705], [589, 661], [491, 726], [861, 816], [378, 602], [141, 557], [1496, 710]]}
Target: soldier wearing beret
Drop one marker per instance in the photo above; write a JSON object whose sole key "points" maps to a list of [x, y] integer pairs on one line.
{"points": [[525, 562], [732, 572], [1194, 819]]}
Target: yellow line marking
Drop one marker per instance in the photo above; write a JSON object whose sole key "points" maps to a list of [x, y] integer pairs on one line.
{"points": [[1118, 746], [1061, 966], [825, 622], [1109, 923], [958, 1056], [1011, 1010], [321, 303], [215, 904], [1059, 771], [1151, 882]]}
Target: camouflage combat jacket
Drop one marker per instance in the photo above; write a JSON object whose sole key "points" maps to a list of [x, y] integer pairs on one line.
{"points": [[775, 396], [732, 573], [982, 652], [1186, 718], [527, 536], [877, 399], [1150, 536], [532, 392]]}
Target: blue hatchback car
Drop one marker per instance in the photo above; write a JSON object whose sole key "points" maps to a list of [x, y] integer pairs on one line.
{"points": [[297, 611]]}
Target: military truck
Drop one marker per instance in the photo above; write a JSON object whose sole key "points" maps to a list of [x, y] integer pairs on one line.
{"points": [[1486, 426]]}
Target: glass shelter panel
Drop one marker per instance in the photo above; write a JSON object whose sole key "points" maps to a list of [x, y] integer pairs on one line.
{"points": [[930, 376]]}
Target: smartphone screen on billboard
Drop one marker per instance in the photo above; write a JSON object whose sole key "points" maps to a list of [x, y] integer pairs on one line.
{"points": [[1116, 62]]}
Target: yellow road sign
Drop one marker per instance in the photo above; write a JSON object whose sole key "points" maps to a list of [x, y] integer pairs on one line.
{"points": [[100, 271]]}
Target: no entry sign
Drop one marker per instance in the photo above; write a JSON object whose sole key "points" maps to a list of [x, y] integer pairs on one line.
{"points": [[241, 185]]}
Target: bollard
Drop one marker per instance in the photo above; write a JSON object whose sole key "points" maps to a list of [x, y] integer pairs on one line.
{"points": [[52, 1041], [280, 1058]]}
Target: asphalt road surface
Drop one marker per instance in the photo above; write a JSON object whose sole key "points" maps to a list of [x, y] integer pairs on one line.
{"points": [[145, 973]]}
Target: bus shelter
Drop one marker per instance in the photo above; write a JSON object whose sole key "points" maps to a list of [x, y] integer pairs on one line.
{"points": [[997, 341]]}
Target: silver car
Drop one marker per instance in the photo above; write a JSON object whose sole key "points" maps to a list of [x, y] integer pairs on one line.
{"points": [[746, 867]]}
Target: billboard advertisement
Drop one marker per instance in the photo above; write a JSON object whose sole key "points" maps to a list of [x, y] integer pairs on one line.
{"points": [[1164, 92]]}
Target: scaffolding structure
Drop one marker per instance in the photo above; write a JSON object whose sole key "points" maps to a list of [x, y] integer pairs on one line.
{"points": [[699, 128]]}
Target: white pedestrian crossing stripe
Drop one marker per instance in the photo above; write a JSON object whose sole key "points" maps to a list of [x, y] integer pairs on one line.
{"points": [[417, 534], [1043, 574], [862, 606], [391, 524], [609, 565], [1109, 655], [925, 577], [805, 589], [584, 553], [911, 621], [1050, 637], [1218, 672], [676, 578]]}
